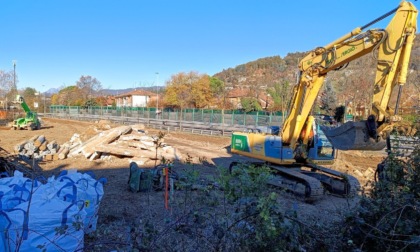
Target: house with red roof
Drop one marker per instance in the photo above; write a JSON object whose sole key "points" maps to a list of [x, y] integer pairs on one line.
{"points": [[136, 98], [235, 95]]}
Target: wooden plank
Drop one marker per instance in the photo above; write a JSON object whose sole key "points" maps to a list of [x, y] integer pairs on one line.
{"points": [[39, 141], [117, 150], [63, 154], [79, 149], [43, 146], [48, 157]]}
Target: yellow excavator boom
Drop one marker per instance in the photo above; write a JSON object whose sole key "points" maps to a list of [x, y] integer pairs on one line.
{"points": [[298, 151], [394, 48], [393, 59]]}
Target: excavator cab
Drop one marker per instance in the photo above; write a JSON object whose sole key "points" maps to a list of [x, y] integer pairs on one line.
{"points": [[320, 149]]}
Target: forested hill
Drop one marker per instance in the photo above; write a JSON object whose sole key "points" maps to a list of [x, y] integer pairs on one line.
{"points": [[262, 72], [356, 78]]}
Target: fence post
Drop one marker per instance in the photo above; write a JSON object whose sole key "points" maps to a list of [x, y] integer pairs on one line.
{"points": [[148, 116], [233, 115], [180, 121], [256, 119], [222, 120]]}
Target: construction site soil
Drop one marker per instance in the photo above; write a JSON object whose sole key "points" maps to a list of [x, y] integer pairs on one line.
{"points": [[121, 208]]}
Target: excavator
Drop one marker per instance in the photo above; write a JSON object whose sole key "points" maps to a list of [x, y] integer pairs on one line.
{"points": [[30, 121], [298, 150]]}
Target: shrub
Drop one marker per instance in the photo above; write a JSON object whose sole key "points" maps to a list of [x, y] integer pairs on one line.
{"points": [[388, 219]]}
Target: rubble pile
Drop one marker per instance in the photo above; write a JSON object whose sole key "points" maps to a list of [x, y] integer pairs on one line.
{"points": [[38, 147], [122, 142], [126, 142]]}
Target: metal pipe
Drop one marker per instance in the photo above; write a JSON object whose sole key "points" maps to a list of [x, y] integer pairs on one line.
{"points": [[359, 30], [380, 18]]}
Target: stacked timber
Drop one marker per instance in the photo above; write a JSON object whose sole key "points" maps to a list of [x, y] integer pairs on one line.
{"points": [[126, 142], [37, 147]]}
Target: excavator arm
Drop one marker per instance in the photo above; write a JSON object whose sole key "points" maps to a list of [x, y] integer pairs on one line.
{"points": [[393, 60], [394, 45], [25, 107]]}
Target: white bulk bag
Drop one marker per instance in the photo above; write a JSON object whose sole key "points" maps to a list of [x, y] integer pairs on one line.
{"points": [[18, 179], [47, 224], [90, 191]]}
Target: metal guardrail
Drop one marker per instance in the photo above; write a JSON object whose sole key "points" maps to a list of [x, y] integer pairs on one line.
{"points": [[402, 146], [211, 129]]}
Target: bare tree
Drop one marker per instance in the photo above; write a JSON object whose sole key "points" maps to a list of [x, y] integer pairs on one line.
{"points": [[7, 87], [328, 100], [89, 86]]}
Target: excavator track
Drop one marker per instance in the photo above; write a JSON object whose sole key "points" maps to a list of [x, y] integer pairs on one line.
{"points": [[335, 182], [310, 181], [291, 179]]}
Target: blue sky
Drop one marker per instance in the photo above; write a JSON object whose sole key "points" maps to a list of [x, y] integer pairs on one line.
{"points": [[124, 43]]}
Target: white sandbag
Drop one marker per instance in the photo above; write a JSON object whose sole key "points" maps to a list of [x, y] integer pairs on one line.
{"points": [[49, 225]]}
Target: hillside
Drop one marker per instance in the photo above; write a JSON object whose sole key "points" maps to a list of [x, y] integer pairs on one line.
{"points": [[350, 84]]}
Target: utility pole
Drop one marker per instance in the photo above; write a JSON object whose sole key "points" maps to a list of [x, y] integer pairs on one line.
{"points": [[44, 98], [14, 74], [157, 94], [14, 80]]}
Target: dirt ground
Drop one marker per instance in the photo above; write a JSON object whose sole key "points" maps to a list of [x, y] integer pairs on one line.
{"points": [[119, 205]]}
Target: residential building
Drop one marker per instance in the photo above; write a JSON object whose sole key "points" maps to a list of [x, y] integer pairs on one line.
{"points": [[136, 98]]}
